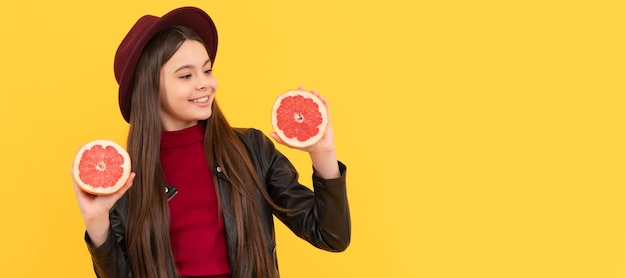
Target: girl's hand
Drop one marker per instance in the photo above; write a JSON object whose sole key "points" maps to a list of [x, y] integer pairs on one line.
{"points": [[323, 154], [95, 209]]}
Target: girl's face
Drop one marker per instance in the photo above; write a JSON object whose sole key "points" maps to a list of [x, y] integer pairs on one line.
{"points": [[187, 87]]}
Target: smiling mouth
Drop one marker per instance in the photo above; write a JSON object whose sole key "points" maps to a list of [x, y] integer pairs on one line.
{"points": [[200, 100]]}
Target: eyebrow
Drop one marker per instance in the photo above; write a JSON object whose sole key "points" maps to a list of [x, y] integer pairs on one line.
{"points": [[190, 66]]}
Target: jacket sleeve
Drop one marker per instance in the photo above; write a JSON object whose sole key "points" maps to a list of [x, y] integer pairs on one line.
{"points": [[109, 259], [320, 216]]}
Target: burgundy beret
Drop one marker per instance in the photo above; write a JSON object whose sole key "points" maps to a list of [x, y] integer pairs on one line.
{"points": [[145, 28]]}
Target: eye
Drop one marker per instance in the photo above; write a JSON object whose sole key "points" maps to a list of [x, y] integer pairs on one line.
{"points": [[186, 76], [208, 72]]}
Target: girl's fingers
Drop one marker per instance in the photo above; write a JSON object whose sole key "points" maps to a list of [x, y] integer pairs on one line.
{"points": [[316, 93], [275, 136]]}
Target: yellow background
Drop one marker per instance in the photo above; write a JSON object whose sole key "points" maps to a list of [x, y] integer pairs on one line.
{"points": [[483, 138]]}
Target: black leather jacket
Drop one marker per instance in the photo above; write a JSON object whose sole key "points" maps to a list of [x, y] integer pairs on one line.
{"points": [[321, 217]]}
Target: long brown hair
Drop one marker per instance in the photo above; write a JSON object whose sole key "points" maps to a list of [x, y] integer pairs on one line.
{"points": [[148, 241]]}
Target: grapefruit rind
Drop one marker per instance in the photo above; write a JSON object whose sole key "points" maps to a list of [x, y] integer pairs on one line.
{"points": [[106, 190], [292, 140]]}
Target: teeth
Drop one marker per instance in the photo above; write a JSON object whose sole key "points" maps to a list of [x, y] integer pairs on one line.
{"points": [[202, 99]]}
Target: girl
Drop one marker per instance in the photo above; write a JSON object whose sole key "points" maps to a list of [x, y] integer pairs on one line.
{"points": [[201, 199]]}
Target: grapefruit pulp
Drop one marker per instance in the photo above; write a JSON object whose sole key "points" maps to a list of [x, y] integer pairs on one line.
{"points": [[101, 167], [299, 118]]}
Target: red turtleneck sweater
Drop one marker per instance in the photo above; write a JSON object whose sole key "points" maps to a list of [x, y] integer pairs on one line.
{"points": [[196, 226]]}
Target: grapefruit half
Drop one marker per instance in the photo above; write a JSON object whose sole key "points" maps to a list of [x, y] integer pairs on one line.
{"points": [[299, 118], [101, 167]]}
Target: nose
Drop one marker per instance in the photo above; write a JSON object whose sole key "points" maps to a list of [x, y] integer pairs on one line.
{"points": [[205, 82]]}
